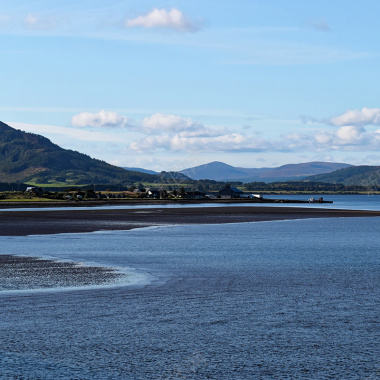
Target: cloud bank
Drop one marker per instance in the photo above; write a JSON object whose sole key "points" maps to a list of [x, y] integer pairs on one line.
{"points": [[165, 19], [365, 116], [170, 133], [231, 142], [346, 138]]}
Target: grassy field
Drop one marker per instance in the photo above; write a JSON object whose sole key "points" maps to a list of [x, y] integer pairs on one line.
{"points": [[55, 184]]}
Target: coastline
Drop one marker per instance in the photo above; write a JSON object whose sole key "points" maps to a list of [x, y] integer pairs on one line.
{"points": [[134, 202], [22, 223], [5, 204]]}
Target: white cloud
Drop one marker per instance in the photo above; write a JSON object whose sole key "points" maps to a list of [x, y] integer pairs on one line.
{"points": [[101, 119], [345, 138], [362, 117], [323, 137], [158, 123], [178, 134], [149, 144], [350, 134], [162, 18]]}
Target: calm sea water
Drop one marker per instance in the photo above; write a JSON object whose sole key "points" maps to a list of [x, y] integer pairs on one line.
{"points": [[285, 300]]}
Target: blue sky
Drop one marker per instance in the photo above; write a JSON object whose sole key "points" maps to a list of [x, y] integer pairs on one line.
{"points": [[167, 85]]}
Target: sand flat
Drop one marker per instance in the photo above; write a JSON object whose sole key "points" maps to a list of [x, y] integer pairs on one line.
{"points": [[22, 223]]}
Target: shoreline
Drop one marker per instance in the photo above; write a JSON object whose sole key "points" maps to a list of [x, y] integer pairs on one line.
{"points": [[5, 204], [46, 222]]}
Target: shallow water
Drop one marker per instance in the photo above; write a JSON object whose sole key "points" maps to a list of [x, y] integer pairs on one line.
{"points": [[23, 273], [285, 299]]}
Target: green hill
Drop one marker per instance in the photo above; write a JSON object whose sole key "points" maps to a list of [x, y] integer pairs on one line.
{"points": [[31, 158], [354, 175]]}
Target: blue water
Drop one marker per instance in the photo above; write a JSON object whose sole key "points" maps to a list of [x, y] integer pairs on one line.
{"points": [[270, 300]]}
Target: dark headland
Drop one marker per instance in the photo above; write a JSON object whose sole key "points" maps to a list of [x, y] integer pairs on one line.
{"points": [[32, 222]]}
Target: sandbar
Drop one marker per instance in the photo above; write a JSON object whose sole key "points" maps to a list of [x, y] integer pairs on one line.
{"points": [[22, 223]]}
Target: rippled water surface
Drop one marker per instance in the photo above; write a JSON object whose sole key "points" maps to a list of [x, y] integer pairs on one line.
{"points": [[288, 299]]}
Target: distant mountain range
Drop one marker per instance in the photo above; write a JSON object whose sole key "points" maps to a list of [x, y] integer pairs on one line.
{"points": [[31, 158], [220, 171]]}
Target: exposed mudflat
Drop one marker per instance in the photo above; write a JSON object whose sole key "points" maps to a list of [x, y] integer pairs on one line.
{"points": [[26, 273], [21, 223]]}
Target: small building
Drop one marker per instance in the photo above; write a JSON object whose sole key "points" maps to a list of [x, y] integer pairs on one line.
{"points": [[151, 193], [34, 189], [195, 195], [230, 192]]}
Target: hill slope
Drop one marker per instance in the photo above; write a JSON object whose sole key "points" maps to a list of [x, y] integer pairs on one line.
{"points": [[298, 171], [27, 157], [355, 175], [220, 171]]}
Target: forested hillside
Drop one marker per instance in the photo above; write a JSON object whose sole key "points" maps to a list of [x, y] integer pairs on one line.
{"points": [[354, 175], [27, 157]]}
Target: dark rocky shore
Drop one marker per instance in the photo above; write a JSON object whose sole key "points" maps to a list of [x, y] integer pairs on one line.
{"points": [[21, 223]]}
